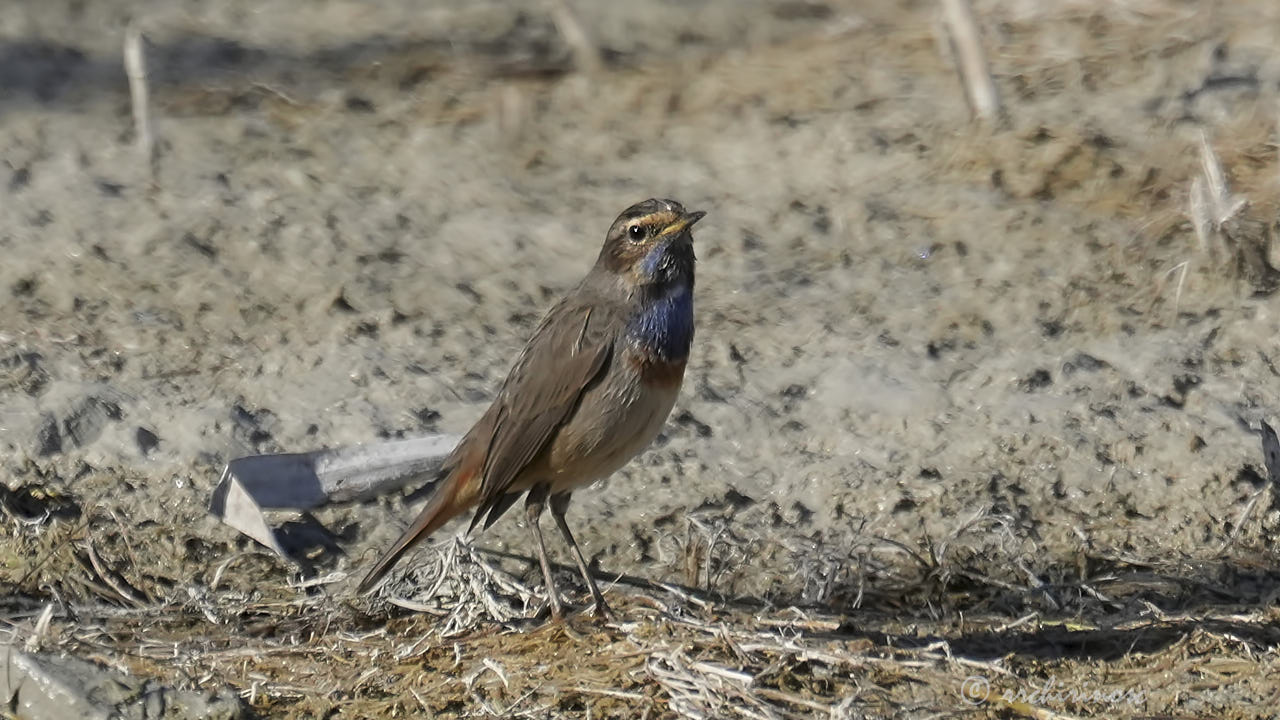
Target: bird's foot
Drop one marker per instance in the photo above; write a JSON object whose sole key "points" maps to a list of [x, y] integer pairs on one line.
{"points": [[601, 610], [555, 608]]}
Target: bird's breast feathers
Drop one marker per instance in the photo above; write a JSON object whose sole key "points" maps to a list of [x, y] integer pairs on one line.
{"points": [[615, 419], [653, 370], [661, 328]]}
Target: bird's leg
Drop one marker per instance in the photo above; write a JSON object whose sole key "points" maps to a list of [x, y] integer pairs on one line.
{"points": [[533, 504], [559, 505]]}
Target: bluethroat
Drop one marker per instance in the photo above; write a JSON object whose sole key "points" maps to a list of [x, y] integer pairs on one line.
{"points": [[590, 390]]}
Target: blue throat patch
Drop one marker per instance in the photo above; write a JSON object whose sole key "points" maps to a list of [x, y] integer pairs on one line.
{"points": [[663, 325]]}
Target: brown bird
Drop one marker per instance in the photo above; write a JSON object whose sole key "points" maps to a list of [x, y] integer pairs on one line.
{"points": [[590, 390]]}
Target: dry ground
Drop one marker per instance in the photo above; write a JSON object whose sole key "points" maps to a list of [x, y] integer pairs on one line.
{"points": [[967, 400]]}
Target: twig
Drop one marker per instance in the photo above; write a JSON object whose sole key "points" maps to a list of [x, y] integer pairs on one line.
{"points": [[1031, 711], [135, 67], [1005, 627], [585, 53], [1198, 201], [972, 61], [1211, 203], [1177, 293], [794, 699], [609, 693], [418, 607], [106, 577], [1243, 518], [41, 628]]}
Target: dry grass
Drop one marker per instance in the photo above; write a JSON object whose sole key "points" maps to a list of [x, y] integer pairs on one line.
{"points": [[469, 640]]}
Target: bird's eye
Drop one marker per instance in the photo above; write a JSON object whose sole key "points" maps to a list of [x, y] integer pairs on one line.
{"points": [[636, 232]]}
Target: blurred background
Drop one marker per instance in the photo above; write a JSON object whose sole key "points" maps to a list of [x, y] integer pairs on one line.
{"points": [[1042, 336]]}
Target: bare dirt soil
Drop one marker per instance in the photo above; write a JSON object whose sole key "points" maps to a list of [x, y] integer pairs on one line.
{"points": [[967, 400]]}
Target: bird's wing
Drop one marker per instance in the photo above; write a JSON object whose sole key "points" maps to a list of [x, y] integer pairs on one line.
{"points": [[569, 352]]}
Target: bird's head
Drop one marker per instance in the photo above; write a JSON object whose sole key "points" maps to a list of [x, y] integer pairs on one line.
{"points": [[650, 245]]}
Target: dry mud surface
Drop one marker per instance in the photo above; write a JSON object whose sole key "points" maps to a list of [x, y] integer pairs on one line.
{"points": [[966, 399]]}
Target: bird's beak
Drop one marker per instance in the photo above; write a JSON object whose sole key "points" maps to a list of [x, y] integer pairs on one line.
{"points": [[683, 223]]}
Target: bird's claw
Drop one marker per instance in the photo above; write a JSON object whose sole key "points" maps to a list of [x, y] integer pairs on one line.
{"points": [[601, 610]]}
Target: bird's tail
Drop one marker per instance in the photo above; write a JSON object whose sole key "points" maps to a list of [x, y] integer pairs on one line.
{"points": [[455, 494]]}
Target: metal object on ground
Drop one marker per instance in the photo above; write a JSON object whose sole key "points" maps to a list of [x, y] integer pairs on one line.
{"points": [[304, 481]]}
